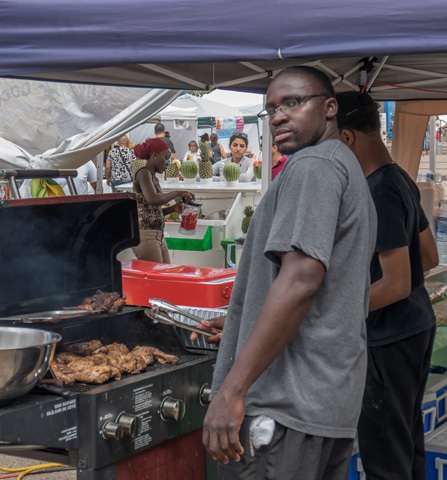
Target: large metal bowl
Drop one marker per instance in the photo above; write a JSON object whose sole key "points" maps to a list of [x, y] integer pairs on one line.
{"points": [[25, 355]]}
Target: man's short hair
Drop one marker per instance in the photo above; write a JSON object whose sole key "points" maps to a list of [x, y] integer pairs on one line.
{"points": [[317, 75], [357, 111], [159, 128]]}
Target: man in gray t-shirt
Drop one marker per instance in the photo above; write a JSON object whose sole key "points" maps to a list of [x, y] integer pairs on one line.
{"points": [[291, 367]]}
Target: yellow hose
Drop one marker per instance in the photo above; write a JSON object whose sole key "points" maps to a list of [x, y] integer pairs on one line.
{"points": [[26, 470]]}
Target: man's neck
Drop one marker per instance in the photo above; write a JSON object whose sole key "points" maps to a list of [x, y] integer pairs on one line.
{"points": [[373, 156], [276, 158]]}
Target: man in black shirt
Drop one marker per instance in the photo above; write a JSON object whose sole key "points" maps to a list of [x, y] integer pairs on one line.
{"points": [[401, 324], [160, 132]]}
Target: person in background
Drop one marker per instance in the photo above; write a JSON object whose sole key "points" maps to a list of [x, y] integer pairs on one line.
{"points": [[401, 324], [238, 148], [290, 372], [426, 147], [119, 164], [193, 152], [204, 138], [87, 174], [160, 132], [278, 160], [217, 153], [167, 134], [153, 156]]}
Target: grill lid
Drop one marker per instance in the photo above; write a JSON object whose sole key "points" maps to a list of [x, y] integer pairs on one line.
{"points": [[56, 251]]}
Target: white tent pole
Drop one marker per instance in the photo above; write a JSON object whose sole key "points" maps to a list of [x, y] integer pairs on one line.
{"points": [[99, 171], [376, 73], [432, 145], [266, 179]]}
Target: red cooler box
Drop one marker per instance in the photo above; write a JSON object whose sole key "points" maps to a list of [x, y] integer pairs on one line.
{"points": [[181, 285]]}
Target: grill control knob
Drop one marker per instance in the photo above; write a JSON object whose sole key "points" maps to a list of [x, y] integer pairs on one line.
{"points": [[205, 393], [171, 409], [130, 424], [112, 430]]}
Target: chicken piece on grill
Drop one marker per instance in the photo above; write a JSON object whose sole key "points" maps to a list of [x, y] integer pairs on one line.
{"points": [[115, 347], [62, 372], [97, 374], [145, 353], [84, 349], [132, 363], [88, 366], [102, 301], [117, 306], [64, 358], [161, 356]]}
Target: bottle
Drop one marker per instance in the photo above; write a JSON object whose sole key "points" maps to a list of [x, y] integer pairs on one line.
{"points": [[221, 167], [441, 234]]}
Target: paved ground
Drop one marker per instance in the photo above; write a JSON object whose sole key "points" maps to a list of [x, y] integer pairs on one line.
{"points": [[7, 461]]}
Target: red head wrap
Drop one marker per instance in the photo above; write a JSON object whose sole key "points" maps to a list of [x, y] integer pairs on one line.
{"points": [[150, 146]]}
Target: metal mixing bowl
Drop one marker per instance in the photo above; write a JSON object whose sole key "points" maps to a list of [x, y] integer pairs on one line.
{"points": [[25, 355]]}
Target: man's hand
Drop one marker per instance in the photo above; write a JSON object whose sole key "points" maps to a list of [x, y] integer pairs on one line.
{"points": [[108, 181], [222, 424], [210, 324]]}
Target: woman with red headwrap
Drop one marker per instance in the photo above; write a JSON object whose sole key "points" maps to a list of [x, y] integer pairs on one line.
{"points": [[152, 158]]}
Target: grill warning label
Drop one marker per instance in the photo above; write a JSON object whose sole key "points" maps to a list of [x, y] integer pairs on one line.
{"points": [[142, 399], [68, 434]]}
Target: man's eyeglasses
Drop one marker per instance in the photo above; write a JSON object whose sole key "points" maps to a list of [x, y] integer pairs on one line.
{"points": [[269, 112], [238, 134]]}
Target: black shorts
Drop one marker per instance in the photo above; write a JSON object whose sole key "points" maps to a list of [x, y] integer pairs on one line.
{"points": [[291, 455]]}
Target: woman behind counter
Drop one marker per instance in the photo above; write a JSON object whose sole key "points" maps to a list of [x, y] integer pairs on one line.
{"points": [[152, 158], [192, 153], [238, 148]]}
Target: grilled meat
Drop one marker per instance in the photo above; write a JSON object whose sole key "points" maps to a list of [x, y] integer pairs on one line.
{"points": [[102, 301], [145, 353], [62, 372], [84, 349], [64, 358], [117, 306], [161, 356], [95, 363], [115, 347]]}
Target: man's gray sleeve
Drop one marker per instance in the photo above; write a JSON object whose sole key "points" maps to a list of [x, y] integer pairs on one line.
{"points": [[308, 203]]}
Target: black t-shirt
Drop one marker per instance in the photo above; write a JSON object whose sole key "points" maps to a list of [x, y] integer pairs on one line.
{"points": [[400, 220], [169, 143]]}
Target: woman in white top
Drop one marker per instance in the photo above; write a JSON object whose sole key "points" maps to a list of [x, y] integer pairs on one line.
{"points": [[192, 153], [238, 148]]}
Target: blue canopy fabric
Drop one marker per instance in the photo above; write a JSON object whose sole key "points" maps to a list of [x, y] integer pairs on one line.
{"points": [[228, 44]]}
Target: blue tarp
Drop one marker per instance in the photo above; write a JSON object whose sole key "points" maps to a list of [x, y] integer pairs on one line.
{"points": [[184, 44]]}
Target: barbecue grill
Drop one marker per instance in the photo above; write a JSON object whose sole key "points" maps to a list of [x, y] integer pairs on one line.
{"points": [[53, 253]]}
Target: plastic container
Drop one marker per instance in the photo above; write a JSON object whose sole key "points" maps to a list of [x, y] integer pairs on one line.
{"points": [[189, 216], [178, 284]]}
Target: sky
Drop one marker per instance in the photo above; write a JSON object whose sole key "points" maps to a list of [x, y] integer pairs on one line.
{"points": [[235, 99]]}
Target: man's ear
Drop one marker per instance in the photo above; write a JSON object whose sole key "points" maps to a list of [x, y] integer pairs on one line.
{"points": [[332, 108], [347, 137]]}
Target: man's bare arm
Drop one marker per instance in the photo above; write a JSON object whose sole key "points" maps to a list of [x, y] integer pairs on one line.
{"points": [[288, 301], [429, 250], [395, 283]]}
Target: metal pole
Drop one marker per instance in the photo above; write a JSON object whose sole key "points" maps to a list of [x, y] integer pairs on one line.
{"points": [[432, 145], [266, 179], [13, 187]]}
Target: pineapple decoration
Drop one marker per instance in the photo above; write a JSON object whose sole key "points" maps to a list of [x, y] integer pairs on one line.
{"points": [[248, 212], [205, 166], [172, 172]]}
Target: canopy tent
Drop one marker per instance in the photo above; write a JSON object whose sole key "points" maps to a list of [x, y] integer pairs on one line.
{"points": [[395, 51]]}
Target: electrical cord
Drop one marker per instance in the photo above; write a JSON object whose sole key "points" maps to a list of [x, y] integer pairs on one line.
{"points": [[26, 470]]}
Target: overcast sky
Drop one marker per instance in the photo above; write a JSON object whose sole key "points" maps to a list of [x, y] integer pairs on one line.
{"points": [[235, 99]]}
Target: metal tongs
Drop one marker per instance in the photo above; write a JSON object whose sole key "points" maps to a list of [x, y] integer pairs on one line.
{"points": [[161, 310]]}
